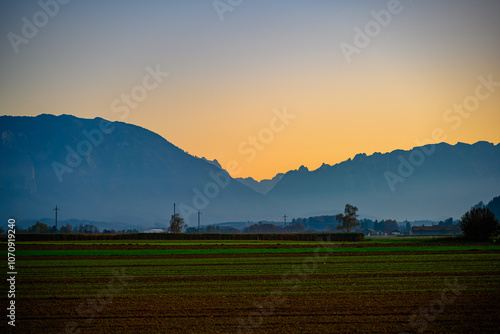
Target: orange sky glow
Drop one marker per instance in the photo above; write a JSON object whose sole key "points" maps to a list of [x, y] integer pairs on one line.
{"points": [[434, 68]]}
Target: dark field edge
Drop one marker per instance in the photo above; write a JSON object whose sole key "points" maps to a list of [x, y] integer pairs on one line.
{"points": [[193, 236]]}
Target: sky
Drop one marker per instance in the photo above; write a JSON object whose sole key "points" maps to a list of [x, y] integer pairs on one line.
{"points": [[262, 86]]}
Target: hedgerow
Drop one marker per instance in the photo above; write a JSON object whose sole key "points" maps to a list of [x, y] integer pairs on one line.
{"points": [[196, 236]]}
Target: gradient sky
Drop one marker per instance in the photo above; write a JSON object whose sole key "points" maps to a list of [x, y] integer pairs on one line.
{"points": [[227, 76]]}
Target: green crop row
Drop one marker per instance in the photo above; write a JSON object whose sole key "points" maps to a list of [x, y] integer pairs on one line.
{"points": [[209, 251], [270, 259], [310, 284], [386, 264]]}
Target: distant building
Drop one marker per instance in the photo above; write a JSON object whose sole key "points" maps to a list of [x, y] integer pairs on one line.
{"points": [[436, 230], [367, 231], [391, 232], [155, 230]]}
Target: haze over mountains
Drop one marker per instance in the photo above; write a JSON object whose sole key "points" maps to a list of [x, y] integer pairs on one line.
{"points": [[429, 182], [94, 169], [129, 175], [262, 186]]}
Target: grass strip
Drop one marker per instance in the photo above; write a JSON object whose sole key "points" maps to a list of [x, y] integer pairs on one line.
{"points": [[22, 253]]}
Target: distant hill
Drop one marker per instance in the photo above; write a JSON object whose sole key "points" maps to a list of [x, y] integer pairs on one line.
{"points": [[102, 171], [423, 183], [262, 186]]}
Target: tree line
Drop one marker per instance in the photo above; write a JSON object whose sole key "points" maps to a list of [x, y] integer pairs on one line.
{"points": [[479, 223], [39, 227]]}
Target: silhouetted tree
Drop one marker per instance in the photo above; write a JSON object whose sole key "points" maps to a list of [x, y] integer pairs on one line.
{"points": [[176, 224], [390, 224], [39, 228], [131, 231], [348, 220], [479, 224], [295, 228], [65, 229], [212, 229], [192, 230], [263, 228], [87, 229], [447, 222]]}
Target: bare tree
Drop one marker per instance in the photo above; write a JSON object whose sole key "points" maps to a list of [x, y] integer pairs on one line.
{"points": [[65, 228], [176, 224], [348, 220]]}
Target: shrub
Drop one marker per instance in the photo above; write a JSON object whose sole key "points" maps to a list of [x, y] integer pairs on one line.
{"points": [[479, 224]]}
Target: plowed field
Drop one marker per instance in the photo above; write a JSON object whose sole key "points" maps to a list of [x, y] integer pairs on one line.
{"points": [[256, 287]]}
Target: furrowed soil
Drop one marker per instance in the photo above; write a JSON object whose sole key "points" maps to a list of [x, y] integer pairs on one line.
{"points": [[338, 288]]}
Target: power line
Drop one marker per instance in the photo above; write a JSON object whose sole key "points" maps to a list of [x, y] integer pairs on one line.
{"points": [[199, 214], [56, 209]]}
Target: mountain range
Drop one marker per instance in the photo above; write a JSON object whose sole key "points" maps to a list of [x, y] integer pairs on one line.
{"points": [[117, 172], [262, 186], [98, 170], [428, 182]]}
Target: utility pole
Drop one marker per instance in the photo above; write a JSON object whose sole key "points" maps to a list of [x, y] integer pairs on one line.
{"points": [[174, 209], [56, 209], [199, 214]]}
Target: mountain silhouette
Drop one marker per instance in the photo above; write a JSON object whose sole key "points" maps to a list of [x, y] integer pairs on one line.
{"points": [[117, 172], [262, 186], [112, 171], [426, 182]]}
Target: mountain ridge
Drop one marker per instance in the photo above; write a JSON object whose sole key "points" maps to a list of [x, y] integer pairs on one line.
{"points": [[262, 186], [128, 174], [364, 179], [114, 171]]}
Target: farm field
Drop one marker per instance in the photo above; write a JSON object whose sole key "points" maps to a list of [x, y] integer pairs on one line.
{"points": [[257, 287]]}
